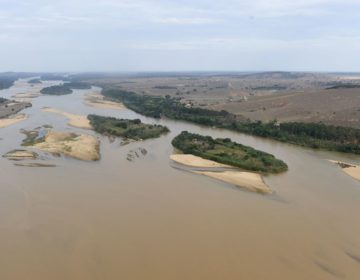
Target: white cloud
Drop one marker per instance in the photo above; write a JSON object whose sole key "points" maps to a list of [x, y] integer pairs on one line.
{"points": [[186, 26]]}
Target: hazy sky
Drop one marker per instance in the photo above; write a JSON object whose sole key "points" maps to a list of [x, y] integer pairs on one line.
{"points": [[164, 35]]}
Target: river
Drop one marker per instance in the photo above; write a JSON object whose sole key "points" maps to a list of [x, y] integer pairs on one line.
{"points": [[148, 219]]}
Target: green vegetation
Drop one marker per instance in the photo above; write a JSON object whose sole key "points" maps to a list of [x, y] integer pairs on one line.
{"points": [[78, 85], [131, 129], [64, 88], [6, 82], [313, 135], [227, 152], [56, 90], [33, 137], [34, 81], [156, 106], [343, 86]]}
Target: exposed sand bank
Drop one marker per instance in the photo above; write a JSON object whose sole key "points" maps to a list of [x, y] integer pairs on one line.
{"points": [[78, 121], [96, 100], [34, 164], [194, 161], [350, 169], [25, 97], [248, 180], [83, 147], [12, 120], [18, 155]]}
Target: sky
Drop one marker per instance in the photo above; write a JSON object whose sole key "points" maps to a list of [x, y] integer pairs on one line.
{"points": [[181, 35]]}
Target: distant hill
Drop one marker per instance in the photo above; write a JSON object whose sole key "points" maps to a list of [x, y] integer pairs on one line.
{"points": [[279, 75]]}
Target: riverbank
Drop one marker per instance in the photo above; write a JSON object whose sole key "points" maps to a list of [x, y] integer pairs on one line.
{"points": [[312, 135]]}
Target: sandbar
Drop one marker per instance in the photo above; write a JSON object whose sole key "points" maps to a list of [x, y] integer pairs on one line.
{"points": [[12, 120], [350, 169], [96, 100], [194, 161], [82, 147], [78, 121], [248, 180], [18, 155]]}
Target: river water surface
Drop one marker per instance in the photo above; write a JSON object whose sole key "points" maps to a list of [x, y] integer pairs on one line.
{"points": [[148, 219]]}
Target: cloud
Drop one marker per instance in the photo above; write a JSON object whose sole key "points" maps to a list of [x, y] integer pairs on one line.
{"points": [[155, 27]]}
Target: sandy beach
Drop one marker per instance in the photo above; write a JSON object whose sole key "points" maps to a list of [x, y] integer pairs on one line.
{"points": [[78, 121], [194, 161], [25, 97], [82, 147], [12, 120], [350, 169], [96, 100], [248, 180]]}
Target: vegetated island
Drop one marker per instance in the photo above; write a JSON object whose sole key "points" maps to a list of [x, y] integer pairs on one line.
{"points": [[130, 129], [66, 88], [82, 147], [313, 135], [224, 151], [56, 90], [212, 154], [34, 81]]}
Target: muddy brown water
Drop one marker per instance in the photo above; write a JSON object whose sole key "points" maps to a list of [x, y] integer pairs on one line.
{"points": [[147, 219]]}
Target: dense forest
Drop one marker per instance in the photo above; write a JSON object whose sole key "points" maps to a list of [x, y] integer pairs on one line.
{"points": [[227, 152], [314, 135], [130, 129]]}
